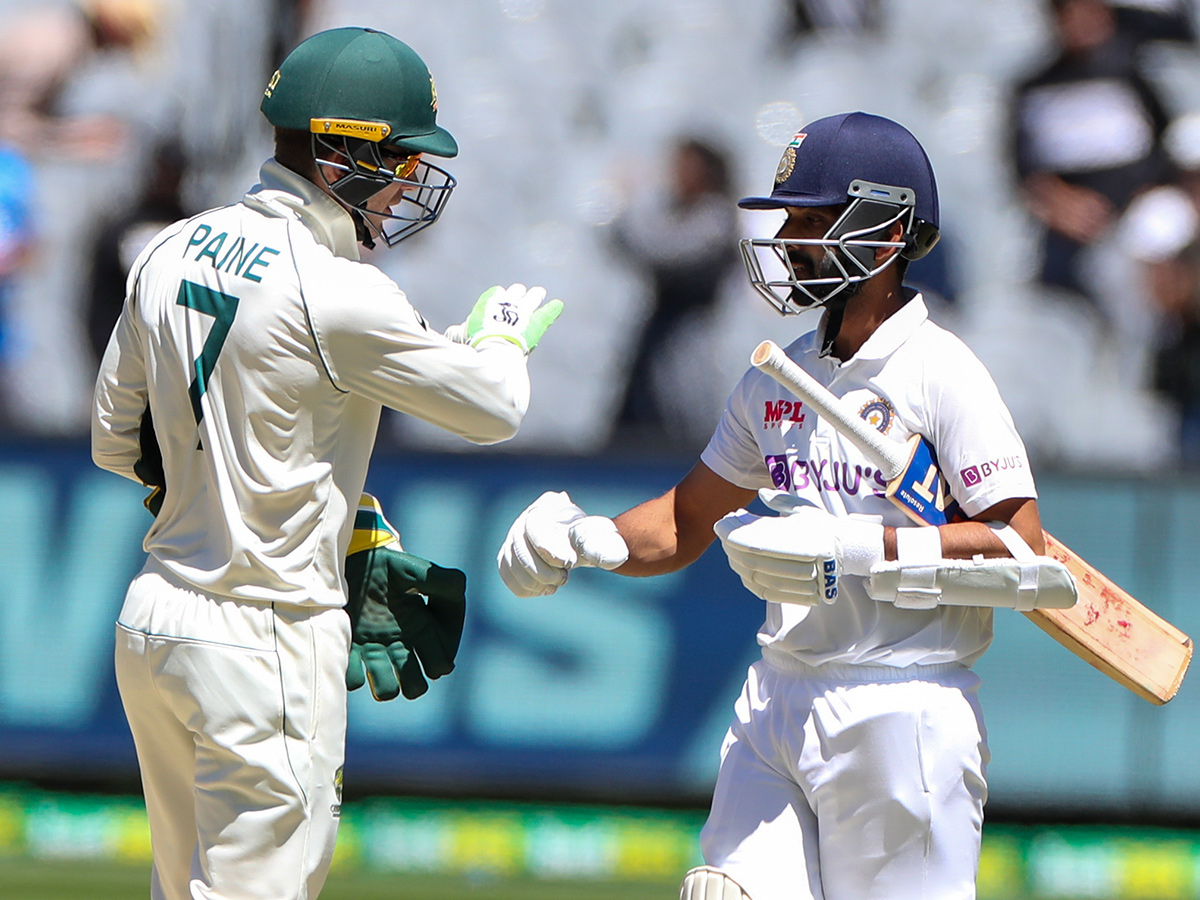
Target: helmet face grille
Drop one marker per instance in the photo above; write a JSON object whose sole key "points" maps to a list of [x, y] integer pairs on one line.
{"points": [[849, 256], [362, 173]]}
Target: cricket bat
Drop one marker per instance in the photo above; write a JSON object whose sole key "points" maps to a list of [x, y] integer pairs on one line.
{"points": [[1106, 627]]}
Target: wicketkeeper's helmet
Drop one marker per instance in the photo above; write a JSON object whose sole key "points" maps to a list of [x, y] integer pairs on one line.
{"points": [[370, 98]]}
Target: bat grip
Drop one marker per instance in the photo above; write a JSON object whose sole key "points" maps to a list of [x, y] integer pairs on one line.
{"points": [[888, 456]]}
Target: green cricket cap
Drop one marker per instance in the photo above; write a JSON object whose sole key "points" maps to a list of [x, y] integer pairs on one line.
{"points": [[362, 83]]}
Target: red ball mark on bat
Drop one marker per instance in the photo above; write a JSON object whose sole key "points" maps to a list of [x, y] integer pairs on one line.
{"points": [[1124, 624], [1092, 616]]}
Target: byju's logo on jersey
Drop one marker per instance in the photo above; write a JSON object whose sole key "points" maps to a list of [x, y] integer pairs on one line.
{"points": [[837, 476], [781, 475], [878, 413], [973, 475]]}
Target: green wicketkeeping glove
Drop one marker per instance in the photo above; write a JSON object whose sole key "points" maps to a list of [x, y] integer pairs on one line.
{"points": [[406, 613], [149, 467], [513, 314]]}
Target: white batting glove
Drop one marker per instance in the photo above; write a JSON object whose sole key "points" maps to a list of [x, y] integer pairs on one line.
{"points": [[513, 314], [799, 556], [551, 537]]}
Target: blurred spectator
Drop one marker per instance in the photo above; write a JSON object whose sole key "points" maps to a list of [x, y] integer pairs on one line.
{"points": [[291, 22], [40, 49], [683, 239], [15, 240], [121, 239], [1156, 20], [832, 17], [220, 130], [1087, 137], [1161, 231], [1176, 288], [67, 70]]}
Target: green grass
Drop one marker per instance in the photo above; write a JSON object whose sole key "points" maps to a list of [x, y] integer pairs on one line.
{"points": [[30, 879], [27, 879]]}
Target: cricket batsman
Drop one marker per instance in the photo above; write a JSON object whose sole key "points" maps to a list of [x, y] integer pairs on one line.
{"points": [[855, 766]]}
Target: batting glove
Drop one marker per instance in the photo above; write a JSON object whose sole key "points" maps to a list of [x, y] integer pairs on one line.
{"points": [[406, 613], [551, 537], [513, 314], [797, 557]]}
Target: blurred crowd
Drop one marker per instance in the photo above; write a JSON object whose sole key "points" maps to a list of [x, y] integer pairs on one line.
{"points": [[604, 144]]}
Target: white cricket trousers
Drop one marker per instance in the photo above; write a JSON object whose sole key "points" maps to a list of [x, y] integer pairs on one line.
{"points": [[851, 783], [238, 713]]}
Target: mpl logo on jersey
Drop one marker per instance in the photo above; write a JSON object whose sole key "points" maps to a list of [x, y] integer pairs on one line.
{"points": [[776, 412], [973, 475]]}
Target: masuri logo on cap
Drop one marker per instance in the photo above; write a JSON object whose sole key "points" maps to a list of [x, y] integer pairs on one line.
{"points": [[367, 131]]}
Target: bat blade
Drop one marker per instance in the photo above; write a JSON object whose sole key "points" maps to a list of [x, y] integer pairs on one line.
{"points": [[1115, 633], [1107, 628]]}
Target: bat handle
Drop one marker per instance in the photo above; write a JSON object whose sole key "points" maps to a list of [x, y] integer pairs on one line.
{"points": [[888, 456]]}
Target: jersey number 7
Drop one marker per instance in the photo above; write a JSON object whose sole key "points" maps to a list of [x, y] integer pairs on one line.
{"points": [[222, 307]]}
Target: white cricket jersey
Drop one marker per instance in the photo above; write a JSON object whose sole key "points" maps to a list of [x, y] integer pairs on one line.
{"points": [[910, 377], [265, 350]]}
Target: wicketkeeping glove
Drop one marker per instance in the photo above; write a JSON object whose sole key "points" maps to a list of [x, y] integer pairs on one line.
{"points": [[551, 537], [149, 467], [406, 613], [512, 314], [797, 557]]}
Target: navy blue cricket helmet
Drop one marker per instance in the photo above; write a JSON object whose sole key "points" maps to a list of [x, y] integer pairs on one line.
{"points": [[880, 171]]}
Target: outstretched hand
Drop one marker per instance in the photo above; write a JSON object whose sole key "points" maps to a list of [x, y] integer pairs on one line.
{"points": [[551, 537], [513, 314]]}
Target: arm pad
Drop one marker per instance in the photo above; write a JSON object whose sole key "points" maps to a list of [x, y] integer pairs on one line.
{"points": [[921, 579], [1037, 583]]}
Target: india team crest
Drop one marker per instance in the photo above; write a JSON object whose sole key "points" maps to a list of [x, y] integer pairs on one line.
{"points": [[878, 413], [787, 162]]}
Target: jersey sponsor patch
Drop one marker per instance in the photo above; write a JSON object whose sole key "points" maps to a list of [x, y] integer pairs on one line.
{"points": [[789, 472], [980, 472], [776, 412]]}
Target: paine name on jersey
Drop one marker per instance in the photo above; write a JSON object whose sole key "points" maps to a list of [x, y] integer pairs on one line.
{"points": [[238, 259]]}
